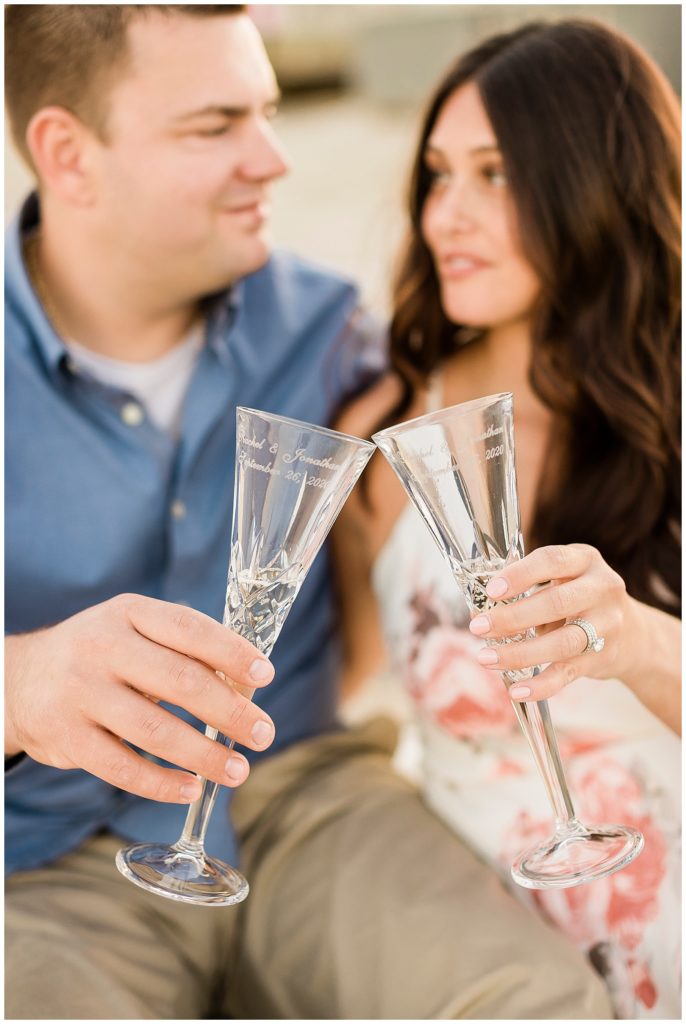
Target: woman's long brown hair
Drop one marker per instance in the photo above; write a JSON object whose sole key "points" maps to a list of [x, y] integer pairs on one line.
{"points": [[589, 132]]}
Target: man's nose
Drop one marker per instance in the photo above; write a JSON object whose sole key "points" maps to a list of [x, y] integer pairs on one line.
{"points": [[267, 158]]}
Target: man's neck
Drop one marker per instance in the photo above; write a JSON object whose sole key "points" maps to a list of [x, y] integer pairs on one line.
{"points": [[87, 302]]}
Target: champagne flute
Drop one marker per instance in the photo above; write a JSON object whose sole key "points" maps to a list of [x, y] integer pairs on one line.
{"points": [[458, 467], [291, 481]]}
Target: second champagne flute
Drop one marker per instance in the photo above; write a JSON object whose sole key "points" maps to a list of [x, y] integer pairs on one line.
{"points": [[458, 467]]}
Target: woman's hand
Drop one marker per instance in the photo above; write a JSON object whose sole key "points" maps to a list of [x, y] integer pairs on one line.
{"points": [[581, 585]]}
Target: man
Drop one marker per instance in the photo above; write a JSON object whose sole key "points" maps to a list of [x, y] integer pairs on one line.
{"points": [[143, 305]]}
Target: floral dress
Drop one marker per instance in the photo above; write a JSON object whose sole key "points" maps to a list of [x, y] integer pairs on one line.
{"points": [[622, 764]]}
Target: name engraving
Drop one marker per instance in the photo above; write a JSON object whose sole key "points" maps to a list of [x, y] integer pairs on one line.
{"points": [[309, 479], [252, 442], [299, 456], [491, 432]]}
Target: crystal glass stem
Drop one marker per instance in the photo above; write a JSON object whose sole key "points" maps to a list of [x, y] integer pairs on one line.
{"points": [[193, 836], [534, 719], [533, 716]]}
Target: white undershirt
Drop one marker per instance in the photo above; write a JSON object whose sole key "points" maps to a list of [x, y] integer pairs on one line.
{"points": [[160, 386]]}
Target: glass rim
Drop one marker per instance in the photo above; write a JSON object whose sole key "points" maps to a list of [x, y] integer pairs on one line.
{"points": [[440, 414], [314, 427]]}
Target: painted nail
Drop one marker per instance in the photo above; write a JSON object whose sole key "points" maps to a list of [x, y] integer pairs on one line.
{"points": [[487, 656], [520, 692], [481, 624], [190, 790], [261, 670], [262, 733], [497, 587], [235, 768]]}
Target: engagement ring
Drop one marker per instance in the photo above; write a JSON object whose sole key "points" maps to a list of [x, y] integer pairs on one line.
{"points": [[594, 642]]}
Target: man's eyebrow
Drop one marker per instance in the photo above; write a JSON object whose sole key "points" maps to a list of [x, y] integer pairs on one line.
{"points": [[220, 110]]}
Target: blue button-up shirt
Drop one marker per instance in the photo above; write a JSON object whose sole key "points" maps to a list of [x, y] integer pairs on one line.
{"points": [[89, 511]]}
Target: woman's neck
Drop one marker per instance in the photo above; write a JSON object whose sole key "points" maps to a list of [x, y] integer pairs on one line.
{"points": [[499, 361]]}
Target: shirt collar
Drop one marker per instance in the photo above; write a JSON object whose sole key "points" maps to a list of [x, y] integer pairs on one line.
{"points": [[19, 286], [221, 308]]}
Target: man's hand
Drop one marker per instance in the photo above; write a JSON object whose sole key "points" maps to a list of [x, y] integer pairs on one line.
{"points": [[76, 691]]}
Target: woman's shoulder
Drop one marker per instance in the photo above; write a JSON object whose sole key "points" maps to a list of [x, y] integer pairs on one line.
{"points": [[362, 415]]}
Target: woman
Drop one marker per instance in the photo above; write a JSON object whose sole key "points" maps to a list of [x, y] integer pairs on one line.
{"points": [[543, 259]]}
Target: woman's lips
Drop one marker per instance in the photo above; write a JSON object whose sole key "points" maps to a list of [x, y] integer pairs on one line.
{"points": [[459, 266]]}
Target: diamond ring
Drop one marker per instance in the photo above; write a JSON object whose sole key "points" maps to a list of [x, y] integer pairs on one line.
{"points": [[594, 642]]}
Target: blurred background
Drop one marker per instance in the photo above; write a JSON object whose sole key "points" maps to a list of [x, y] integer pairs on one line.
{"points": [[354, 78]]}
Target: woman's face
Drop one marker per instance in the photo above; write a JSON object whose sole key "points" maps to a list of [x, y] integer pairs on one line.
{"points": [[469, 223]]}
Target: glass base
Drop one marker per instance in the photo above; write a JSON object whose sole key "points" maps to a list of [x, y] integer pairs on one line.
{"points": [[576, 854], [183, 873]]}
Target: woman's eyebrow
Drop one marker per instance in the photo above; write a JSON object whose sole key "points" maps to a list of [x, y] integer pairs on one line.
{"points": [[489, 147]]}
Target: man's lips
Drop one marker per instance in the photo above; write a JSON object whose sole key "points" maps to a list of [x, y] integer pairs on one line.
{"points": [[253, 214], [249, 206]]}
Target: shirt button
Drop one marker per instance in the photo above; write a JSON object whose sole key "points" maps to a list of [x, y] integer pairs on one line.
{"points": [[178, 509], [132, 414]]}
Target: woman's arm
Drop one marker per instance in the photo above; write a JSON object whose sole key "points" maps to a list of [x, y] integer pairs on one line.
{"points": [[655, 677], [363, 648], [352, 544]]}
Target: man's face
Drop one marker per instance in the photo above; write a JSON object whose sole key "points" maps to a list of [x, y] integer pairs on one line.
{"points": [[183, 179]]}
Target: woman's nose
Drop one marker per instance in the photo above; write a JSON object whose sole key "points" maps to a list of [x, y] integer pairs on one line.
{"points": [[456, 210]]}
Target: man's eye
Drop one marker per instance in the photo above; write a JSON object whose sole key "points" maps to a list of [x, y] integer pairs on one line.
{"points": [[211, 132]]}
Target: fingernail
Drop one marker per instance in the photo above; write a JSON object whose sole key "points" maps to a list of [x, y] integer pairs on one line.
{"points": [[261, 670], [481, 624], [487, 656], [190, 791], [519, 692], [235, 768], [497, 587], [262, 733]]}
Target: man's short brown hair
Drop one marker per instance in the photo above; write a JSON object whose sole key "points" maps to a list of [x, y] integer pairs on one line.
{"points": [[69, 55]]}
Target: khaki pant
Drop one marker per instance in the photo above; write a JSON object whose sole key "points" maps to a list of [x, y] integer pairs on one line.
{"points": [[362, 905]]}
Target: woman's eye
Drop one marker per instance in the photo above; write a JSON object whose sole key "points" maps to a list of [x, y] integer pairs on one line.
{"points": [[436, 177], [495, 176]]}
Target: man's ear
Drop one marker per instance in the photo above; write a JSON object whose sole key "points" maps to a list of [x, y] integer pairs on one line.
{"points": [[60, 144]]}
